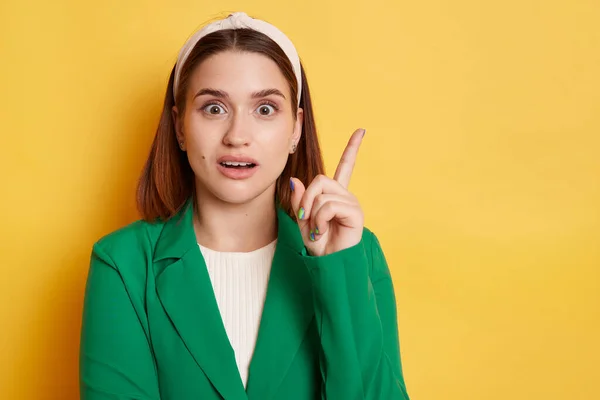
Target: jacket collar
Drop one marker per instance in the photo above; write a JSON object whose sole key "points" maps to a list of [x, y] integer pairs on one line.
{"points": [[178, 237], [185, 290]]}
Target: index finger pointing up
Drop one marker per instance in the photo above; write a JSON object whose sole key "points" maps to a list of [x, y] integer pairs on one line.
{"points": [[346, 165]]}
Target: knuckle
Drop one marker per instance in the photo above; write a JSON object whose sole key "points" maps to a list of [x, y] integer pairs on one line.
{"points": [[328, 207], [320, 178], [319, 200]]}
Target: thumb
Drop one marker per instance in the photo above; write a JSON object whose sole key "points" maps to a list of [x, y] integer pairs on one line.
{"points": [[298, 190]]}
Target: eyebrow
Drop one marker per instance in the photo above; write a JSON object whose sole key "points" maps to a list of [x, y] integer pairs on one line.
{"points": [[224, 95]]}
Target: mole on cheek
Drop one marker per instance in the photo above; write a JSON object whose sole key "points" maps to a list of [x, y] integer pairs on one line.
{"points": [[204, 158]]}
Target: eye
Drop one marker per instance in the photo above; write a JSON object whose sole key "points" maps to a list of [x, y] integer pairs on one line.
{"points": [[214, 109], [267, 109]]}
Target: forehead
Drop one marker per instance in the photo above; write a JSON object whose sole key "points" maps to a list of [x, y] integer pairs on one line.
{"points": [[239, 74]]}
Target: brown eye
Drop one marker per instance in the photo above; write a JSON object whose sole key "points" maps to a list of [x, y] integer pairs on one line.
{"points": [[266, 109], [214, 109]]}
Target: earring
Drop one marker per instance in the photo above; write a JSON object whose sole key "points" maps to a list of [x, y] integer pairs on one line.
{"points": [[294, 148], [181, 145]]}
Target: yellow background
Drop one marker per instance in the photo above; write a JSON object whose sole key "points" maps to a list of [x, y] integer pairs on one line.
{"points": [[480, 172]]}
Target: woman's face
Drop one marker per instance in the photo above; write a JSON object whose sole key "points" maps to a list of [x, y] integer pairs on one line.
{"points": [[238, 128]]}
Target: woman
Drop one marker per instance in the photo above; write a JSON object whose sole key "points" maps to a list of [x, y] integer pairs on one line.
{"points": [[240, 282]]}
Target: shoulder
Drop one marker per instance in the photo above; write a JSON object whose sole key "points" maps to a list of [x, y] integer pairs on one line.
{"points": [[129, 237], [122, 260], [129, 244]]}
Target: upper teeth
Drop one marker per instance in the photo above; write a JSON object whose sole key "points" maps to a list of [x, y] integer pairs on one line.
{"points": [[236, 164]]}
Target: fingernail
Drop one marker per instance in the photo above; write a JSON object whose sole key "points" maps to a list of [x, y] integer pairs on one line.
{"points": [[317, 230], [364, 131], [292, 184], [301, 213], [312, 236]]}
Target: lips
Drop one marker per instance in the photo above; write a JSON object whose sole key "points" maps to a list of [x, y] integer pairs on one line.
{"points": [[236, 164], [237, 167], [237, 161]]}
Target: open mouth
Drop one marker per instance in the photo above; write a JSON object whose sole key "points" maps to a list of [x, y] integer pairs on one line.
{"points": [[237, 165]]}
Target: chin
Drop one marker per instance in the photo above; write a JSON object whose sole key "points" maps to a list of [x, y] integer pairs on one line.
{"points": [[240, 192]]}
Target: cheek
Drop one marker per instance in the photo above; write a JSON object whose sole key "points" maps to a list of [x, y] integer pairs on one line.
{"points": [[277, 147], [200, 140], [277, 150], [279, 134]]}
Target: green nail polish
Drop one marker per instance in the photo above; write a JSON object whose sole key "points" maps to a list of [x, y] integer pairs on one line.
{"points": [[301, 213], [317, 230], [312, 236]]}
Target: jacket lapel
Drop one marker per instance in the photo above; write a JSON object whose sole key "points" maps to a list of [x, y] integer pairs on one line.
{"points": [[186, 293], [287, 312]]}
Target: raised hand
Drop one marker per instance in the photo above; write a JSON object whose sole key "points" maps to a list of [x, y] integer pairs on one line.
{"points": [[329, 216]]}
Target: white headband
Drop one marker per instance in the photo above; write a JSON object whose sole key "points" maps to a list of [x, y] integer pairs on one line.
{"points": [[240, 20]]}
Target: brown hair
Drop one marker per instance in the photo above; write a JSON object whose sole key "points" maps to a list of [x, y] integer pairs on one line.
{"points": [[167, 179]]}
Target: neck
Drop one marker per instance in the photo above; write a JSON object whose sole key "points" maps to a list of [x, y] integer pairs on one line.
{"points": [[231, 227]]}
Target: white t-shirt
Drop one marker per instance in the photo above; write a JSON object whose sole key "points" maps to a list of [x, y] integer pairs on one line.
{"points": [[239, 281]]}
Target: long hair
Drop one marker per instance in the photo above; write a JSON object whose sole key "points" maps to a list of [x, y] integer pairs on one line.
{"points": [[167, 179]]}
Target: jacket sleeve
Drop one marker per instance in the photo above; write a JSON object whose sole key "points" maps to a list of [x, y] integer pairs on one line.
{"points": [[116, 361], [355, 308]]}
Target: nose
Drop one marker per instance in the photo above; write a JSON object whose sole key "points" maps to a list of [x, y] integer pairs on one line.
{"points": [[238, 134]]}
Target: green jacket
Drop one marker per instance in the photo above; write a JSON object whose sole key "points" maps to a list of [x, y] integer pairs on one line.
{"points": [[152, 328]]}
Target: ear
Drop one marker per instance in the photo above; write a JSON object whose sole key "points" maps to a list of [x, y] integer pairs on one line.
{"points": [[177, 125], [298, 126]]}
